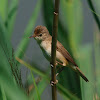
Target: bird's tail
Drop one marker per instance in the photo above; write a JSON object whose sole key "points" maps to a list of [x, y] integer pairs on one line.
{"points": [[81, 74]]}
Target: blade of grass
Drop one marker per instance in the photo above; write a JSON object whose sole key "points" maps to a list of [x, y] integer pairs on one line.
{"points": [[32, 68], [66, 93], [3, 9], [41, 86], [7, 81], [3, 94], [12, 91], [48, 11], [86, 63], [25, 41], [12, 11], [96, 4], [95, 16], [35, 86], [72, 12], [97, 62], [1, 98], [6, 47]]}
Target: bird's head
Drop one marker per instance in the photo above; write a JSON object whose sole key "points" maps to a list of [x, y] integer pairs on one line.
{"points": [[40, 33]]}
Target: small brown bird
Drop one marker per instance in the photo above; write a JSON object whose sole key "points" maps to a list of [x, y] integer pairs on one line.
{"points": [[44, 39]]}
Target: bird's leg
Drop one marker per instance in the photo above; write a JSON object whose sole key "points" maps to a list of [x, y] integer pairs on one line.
{"points": [[52, 82], [59, 68], [59, 63], [59, 71]]}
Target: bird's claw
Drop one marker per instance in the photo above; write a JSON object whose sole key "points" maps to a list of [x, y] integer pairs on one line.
{"points": [[51, 65], [52, 83]]}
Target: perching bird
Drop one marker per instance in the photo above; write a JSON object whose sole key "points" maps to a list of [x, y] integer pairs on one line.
{"points": [[44, 39]]}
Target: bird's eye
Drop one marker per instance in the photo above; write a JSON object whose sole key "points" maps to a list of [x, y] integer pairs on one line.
{"points": [[40, 34]]}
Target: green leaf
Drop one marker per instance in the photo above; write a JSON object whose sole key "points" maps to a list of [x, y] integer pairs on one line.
{"points": [[6, 46], [12, 91], [95, 14], [25, 40], [72, 16], [97, 5], [7, 83], [39, 72], [41, 86], [3, 94], [38, 96], [86, 65], [49, 22], [3, 9], [97, 62], [48, 10], [12, 11], [66, 93], [1, 97]]}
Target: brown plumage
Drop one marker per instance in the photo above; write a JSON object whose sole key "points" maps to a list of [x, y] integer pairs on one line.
{"points": [[68, 57], [65, 53], [44, 39]]}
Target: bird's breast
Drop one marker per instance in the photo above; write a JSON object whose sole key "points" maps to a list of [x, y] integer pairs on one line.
{"points": [[46, 49]]}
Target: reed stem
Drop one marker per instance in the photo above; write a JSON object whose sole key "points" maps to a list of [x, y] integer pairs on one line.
{"points": [[53, 51]]}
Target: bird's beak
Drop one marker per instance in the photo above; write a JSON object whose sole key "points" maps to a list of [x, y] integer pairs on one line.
{"points": [[32, 36]]}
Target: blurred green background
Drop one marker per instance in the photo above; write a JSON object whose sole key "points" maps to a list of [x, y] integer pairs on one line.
{"points": [[25, 73]]}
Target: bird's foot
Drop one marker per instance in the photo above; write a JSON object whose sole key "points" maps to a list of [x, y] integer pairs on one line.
{"points": [[51, 65], [52, 83]]}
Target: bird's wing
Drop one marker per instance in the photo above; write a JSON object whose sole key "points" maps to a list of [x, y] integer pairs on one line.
{"points": [[65, 53]]}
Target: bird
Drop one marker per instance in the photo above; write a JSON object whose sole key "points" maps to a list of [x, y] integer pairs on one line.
{"points": [[44, 39]]}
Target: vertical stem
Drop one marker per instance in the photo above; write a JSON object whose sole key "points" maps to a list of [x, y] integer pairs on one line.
{"points": [[53, 52]]}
